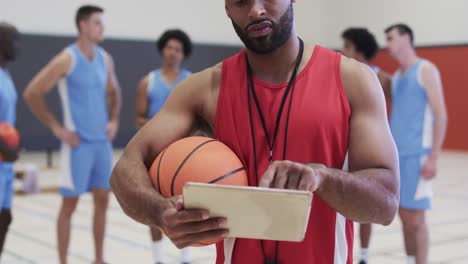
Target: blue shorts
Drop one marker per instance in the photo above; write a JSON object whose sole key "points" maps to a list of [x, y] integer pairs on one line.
{"points": [[411, 181], [7, 176], [86, 167]]}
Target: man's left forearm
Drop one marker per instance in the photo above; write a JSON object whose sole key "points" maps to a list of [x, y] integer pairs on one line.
{"points": [[365, 196], [114, 105], [440, 128]]}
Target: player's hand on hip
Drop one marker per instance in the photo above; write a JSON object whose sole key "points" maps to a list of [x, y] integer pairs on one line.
{"points": [[187, 226], [112, 128], [429, 168], [67, 136], [292, 175]]}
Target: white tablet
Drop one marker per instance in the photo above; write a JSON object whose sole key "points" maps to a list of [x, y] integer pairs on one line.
{"points": [[252, 212]]}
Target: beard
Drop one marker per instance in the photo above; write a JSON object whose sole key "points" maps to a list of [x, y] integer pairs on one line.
{"points": [[279, 34]]}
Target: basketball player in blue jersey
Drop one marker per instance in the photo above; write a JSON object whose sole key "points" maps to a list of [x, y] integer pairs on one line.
{"points": [[174, 46], [90, 97], [8, 97], [418, 123], [360, 44]]}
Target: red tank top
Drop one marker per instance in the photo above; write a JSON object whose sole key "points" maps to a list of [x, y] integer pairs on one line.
{"points": [[317, 133]]}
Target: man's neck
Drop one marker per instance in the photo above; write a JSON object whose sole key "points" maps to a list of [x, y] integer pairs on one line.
{"points": [[169, 69], [407, 59], [86, 46], [277, 66]]}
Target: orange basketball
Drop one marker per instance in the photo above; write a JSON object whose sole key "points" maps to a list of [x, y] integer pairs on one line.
{"points": [[196, 159], [10, 135]]}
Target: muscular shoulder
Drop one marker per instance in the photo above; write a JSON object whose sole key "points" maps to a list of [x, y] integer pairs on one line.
{"points": [[429, 66], [107, 57], [216, 76], [428, 72], [205, 81], [145, 82], [199, 87], [360, 82], [61, 64]]}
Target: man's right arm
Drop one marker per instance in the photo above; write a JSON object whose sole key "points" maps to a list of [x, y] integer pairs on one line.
{"points": [[43, 83], [142, 102], [130, 179]]}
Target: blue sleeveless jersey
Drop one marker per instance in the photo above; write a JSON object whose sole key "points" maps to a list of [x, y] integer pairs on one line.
{"points": [[411, 119], [158, 90], [83, 94]]}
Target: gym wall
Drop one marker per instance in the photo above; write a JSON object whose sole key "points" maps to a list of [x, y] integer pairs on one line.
{"points": [[132, 27]]}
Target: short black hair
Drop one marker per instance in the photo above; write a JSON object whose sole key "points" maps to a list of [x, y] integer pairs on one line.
{"points": [[84, 12], [362, 40], [8, 32], [402, 29], [8, 36], [178, 35]]}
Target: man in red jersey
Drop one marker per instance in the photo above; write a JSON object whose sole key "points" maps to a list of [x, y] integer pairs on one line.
{"points": [[297, 116]]}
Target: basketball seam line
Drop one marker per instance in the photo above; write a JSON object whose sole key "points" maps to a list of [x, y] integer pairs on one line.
{"points": [[159, 165], [227, 175], [184, 161]]}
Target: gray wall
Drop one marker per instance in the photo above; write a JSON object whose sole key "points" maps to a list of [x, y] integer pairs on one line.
{"points": [[133, 60]]}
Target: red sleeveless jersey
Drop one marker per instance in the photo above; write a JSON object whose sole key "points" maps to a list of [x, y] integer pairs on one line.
{"points": [[318, 133]]}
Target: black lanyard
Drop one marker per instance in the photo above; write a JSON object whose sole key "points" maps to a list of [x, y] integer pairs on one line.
{"points": [[292, 80], [271, 144]]}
